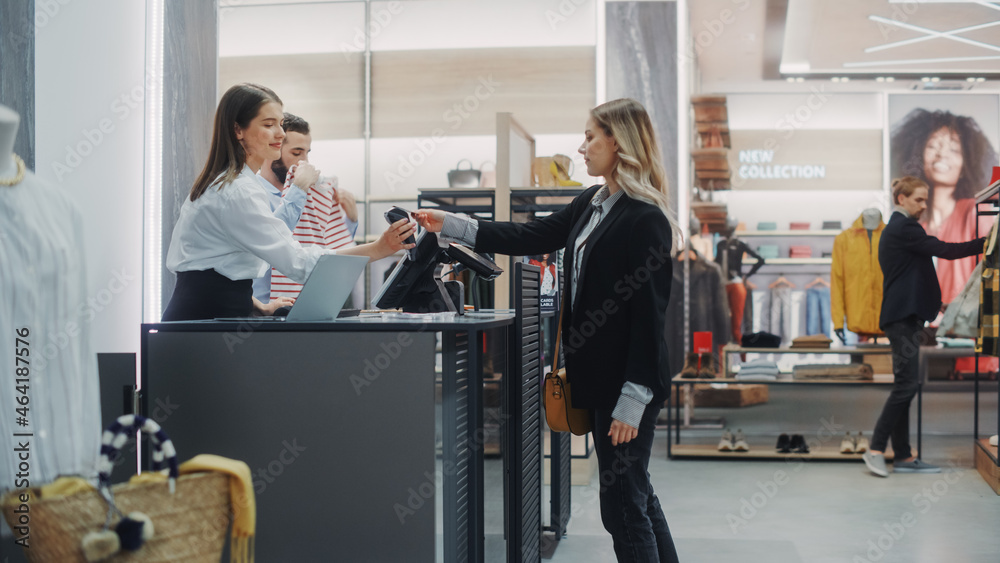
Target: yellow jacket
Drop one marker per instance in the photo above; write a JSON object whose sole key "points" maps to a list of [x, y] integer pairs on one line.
{"points": [[856, 280]]}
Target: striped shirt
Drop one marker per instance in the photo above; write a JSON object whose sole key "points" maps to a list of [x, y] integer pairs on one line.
{"points": [[322, 223]]}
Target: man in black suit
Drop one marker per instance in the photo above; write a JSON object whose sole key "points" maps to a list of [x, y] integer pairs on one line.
{"points": [[911, 296]]}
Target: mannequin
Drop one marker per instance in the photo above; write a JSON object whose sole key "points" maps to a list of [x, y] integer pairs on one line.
{"points": [[729, 254], [871, 222], [42, 290]]}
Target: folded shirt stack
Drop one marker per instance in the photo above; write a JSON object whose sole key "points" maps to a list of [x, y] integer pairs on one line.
{"points": [[800, 251], [767, 226], [832, 226], [853, 372], [760, 340], [798, 226], [812, 341], [768, 250], [758, 370]]}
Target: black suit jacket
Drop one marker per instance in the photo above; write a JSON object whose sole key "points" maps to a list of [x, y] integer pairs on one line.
{"points": [[614, 333], [910, 285]]}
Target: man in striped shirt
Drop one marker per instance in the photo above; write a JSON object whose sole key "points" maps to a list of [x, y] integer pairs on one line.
{"points": [[329, 215]]}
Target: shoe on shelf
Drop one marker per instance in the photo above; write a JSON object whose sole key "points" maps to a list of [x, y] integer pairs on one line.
{"points": [[798, 444], [784, 444], [861, 444], [707, 370], [690, 369], [875, 463], [726, 443], [740, 442], [915, 466], [847, 444]]}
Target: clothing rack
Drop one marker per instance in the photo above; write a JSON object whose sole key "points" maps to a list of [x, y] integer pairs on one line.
{"points": [[989, 198]]}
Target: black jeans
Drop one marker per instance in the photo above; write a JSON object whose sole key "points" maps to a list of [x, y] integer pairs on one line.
{"points": [[905, 338], [630, 511]]}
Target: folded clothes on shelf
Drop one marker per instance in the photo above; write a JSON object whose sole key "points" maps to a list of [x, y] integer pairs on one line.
{"points": [[759, 370], [827, 254], [853, 372], [760, 340], [768, 250], [832, 226], [767, 226], [812, 341], [799, 226], [800, 251]]}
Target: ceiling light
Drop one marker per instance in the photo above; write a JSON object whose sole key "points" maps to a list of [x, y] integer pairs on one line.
{"points": [[800, 79], [925, 79], [880, 79], [980, 79], [845, 79], [935, 79], [792, 79], [890, 78], [970, 79]]}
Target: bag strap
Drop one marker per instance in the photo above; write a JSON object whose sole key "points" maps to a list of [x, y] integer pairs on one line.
{"points": [[555, 357]]}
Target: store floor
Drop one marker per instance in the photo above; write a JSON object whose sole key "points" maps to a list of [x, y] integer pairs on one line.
{"points": [[816, 512]]}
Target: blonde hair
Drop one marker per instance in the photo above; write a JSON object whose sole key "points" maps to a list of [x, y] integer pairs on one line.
{"points": [[639, 170], [905, 187]]}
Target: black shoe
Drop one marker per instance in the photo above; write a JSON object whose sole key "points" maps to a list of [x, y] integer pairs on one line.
{"points": [[784, 445], [798, 444]]}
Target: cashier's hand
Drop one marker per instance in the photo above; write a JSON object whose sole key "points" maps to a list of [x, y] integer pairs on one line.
{"points": [[621, 433], [269, 308], [430, 219]]}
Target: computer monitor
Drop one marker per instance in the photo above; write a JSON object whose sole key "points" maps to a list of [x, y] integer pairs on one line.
{"points": [[414, 285]]}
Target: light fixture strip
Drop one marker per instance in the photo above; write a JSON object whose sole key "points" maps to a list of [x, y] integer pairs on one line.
{"points": [[152, 193]]}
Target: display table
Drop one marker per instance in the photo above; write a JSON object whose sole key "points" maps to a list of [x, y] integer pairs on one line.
{"points": [[337, 423]]}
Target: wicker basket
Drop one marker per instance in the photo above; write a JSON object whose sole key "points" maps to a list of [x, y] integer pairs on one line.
{"points": [[190, 525]]}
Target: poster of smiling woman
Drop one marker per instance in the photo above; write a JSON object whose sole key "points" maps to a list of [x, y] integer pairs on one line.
{"points": [[949, 141]]}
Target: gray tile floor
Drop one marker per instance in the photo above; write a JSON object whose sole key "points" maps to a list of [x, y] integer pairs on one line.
{"points": [[750, 511]]}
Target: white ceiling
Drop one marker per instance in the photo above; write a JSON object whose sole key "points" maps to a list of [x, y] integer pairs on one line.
{"points": [[751, 45]]}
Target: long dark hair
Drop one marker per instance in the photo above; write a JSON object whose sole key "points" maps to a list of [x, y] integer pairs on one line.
{"points": [[238, 106], [910, 136]]}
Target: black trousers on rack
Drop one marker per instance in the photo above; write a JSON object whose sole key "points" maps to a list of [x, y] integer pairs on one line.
{"points": [[894, 422]]}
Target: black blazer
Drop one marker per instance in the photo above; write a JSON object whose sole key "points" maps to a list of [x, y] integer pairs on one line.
{"points": [[910, 285], [614, 333]]}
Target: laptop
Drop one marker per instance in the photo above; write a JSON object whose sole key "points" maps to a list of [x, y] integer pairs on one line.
{"points": [[326, 289]]}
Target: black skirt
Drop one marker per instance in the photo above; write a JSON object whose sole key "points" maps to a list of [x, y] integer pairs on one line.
{"points": [[207, 294]]}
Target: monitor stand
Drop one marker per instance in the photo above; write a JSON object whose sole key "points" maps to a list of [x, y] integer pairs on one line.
{"points": [[434, 295]]}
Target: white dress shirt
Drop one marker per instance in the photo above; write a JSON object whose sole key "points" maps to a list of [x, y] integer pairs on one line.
{"points": [[287, 207], [233, 231]]}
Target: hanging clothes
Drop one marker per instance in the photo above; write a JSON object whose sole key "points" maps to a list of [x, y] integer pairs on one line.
{"points": [[989, 298], [856, 279], [708, 307]]}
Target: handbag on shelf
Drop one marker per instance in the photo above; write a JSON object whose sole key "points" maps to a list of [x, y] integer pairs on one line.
{"points": [[560, 414], [180, 517], [463, 177]]}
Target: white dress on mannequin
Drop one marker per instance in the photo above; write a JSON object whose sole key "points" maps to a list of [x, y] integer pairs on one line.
{"points": [[43, 288]]}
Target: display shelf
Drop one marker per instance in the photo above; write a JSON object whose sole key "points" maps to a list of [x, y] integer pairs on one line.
{"points": [[483, 200], [764, 452], [675, 449], [822, 233], [790, 261]]}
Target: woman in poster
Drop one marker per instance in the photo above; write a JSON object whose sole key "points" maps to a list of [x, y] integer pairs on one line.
{"points": [[952, 155]]}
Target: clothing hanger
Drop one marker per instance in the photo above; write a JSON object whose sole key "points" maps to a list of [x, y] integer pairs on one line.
{"points": [[782, 280], [818, 281]]}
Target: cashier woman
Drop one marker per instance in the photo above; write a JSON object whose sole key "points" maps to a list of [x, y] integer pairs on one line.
{"points": [[226, 234]]}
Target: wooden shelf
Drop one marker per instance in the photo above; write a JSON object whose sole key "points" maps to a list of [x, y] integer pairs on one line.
{"points": [[732, 349], [820, 233], [790, 261], [880, 379], [762, 451]]}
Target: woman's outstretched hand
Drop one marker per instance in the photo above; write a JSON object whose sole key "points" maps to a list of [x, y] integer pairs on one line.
{"points": [[430, 219]]}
